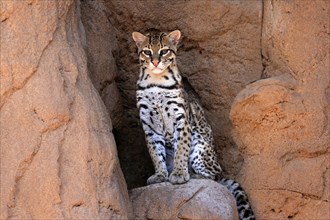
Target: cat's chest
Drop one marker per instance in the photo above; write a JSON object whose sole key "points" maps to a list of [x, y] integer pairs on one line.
{"points": [[159, 108], [159, 97]]}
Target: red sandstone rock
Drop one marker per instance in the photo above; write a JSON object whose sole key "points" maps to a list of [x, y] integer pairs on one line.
{"points": [[281, 124], [58, 155]]}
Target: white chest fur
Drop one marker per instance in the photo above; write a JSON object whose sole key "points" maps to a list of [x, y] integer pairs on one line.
{"points": [[159, 108]]}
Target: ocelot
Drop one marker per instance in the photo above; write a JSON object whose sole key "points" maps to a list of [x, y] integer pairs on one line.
{"points": [[179, 139]]}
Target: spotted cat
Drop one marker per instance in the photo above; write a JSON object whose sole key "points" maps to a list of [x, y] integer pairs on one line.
{"points": [[179, 139]]}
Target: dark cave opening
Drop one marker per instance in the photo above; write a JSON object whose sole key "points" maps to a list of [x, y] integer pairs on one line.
{"points": [[216, 62]]}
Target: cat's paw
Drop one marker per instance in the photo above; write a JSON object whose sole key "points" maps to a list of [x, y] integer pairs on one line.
{"points": [[179, 177], [156, 178]]}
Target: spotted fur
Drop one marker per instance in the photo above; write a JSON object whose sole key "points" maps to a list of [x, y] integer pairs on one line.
{"points": [[178, 136]]}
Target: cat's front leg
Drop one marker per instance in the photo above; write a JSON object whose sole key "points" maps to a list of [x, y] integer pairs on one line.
{"points": [[156, 147], [182, 136]]}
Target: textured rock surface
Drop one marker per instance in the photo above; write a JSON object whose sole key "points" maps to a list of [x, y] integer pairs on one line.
{"points": [[281, 124], [58, 155], [198, 199], [100, 44], [219, 54]]}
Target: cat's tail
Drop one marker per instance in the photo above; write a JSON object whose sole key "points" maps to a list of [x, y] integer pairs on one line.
{"points": [[243, 205]]}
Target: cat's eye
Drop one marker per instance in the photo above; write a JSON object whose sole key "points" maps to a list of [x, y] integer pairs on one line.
{"points": [[164, 52], [147, 52]]}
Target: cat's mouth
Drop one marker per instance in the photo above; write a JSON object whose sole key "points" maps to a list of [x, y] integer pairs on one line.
{"points": [[157, 70]]}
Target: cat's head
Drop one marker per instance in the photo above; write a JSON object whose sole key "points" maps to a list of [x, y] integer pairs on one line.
{"points": [[157, 50]]}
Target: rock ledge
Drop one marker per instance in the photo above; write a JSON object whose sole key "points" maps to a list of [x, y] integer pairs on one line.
{"points": [[197, 199]]}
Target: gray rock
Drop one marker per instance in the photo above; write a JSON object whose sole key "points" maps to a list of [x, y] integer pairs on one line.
{"points": [[197, 199]]}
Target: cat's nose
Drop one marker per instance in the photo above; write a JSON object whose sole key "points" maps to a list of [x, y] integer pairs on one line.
{"points": [[155, 62]]}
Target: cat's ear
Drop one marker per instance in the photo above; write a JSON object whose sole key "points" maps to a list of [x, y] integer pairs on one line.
{"points": [[138, 38], [174, 37]]}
